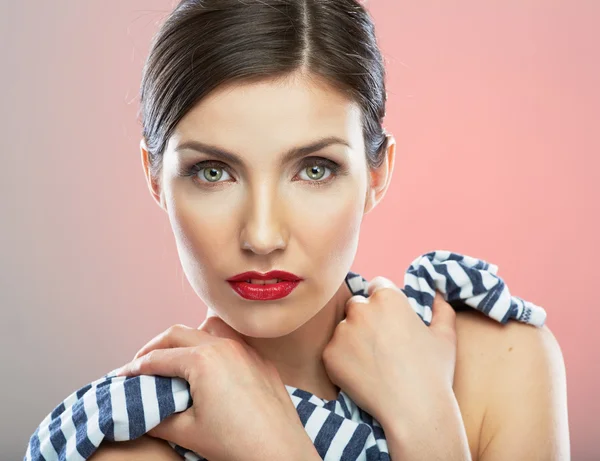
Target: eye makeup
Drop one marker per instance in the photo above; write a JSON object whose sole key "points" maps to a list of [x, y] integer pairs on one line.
{"points": [[335, 170]]}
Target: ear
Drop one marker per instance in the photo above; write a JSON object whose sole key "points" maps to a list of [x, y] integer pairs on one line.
{"points": [[153, 184], [381, 176]]}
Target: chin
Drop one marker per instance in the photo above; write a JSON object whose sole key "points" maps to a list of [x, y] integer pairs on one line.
{"points": [[265, 333], [265, 322], [255, 319]]}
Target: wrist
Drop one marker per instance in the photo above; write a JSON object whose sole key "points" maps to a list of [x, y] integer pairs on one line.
{"points": [[422, 406], [293, 445], [432, 428]]}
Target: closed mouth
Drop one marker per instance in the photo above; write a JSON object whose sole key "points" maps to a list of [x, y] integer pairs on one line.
{"points": [[264, 290], [264, 282], [271, 277]]}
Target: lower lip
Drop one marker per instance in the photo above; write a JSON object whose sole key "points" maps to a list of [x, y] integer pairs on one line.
{"points": [[268, 292]]}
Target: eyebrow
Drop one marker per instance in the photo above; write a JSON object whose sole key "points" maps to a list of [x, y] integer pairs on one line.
{"points": [[292, 154]]}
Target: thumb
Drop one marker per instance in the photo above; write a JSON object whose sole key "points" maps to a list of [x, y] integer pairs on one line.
{"points": [[174, 427], [444, 317]]}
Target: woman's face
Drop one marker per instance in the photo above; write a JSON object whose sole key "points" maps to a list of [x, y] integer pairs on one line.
{"points": [[260, 211]]}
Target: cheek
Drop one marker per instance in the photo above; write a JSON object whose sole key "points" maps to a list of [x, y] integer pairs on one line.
{"points": [[327, 225], [204, 230]]}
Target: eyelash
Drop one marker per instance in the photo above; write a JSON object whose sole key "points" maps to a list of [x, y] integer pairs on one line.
{"points": [[336, 170]]}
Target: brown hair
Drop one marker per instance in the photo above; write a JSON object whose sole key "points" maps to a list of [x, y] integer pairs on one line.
{"points": [[206, 43]]}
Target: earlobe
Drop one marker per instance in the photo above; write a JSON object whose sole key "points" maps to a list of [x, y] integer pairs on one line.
{"points": [[153, 185]]}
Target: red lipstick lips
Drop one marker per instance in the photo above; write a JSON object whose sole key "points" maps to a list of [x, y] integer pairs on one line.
{"points": [[242, 285]]}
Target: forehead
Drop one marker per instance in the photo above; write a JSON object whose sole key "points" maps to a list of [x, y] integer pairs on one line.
{"points": [[274, 113]]}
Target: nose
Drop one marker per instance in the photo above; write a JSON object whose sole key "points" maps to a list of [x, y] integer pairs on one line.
{"points": [[263, 228]]}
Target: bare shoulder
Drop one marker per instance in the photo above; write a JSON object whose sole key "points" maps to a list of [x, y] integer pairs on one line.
{"points": [[144, 448], [509, 379]]}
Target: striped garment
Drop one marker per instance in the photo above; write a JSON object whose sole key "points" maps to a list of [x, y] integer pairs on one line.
{"points": [[126, 407]]}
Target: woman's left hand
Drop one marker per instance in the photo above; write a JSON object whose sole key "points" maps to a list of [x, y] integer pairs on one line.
{"points": [[387, 360], [237, 396]]}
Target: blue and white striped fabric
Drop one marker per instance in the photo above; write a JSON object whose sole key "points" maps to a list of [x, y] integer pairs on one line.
{"points": [[126, 407]]}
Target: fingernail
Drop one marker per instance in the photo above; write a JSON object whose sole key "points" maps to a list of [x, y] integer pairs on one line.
{"points": [[379, 283], [358, 299]]}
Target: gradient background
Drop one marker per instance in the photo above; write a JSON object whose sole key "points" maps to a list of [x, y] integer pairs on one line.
{"points": [[494, 106]]}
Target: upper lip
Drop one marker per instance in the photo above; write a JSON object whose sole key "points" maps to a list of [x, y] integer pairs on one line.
{"points": [[282, 275]]}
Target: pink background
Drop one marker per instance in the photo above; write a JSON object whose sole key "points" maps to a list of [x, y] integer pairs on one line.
{"points": [[495, 107]]}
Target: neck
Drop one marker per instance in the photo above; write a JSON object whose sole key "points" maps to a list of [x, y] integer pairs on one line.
{"points": [[298, 355]]}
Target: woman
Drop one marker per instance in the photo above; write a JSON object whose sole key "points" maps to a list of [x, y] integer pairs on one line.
{"points": [[263, 143]]}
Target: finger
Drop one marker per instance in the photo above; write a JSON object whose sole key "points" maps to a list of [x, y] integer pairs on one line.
{"points": [[380, 283], [164, 340], [443, 316], [357, 299], [174, 427], [176, 336], [216, 326], [160, 362]]}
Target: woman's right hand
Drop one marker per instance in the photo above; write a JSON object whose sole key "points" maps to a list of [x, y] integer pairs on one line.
{"points": [[236, 395]]}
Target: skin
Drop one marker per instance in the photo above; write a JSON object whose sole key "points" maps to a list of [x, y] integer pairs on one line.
{"points": [[510, 385], [263, 215], [509, 380]]}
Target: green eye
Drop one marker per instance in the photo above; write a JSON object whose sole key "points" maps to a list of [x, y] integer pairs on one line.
{"points": [[315, 172], [213, 174]]}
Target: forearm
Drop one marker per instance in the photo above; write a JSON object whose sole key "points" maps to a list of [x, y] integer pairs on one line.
{"points": [[435, 432], [291, 444], [298, 447]]}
